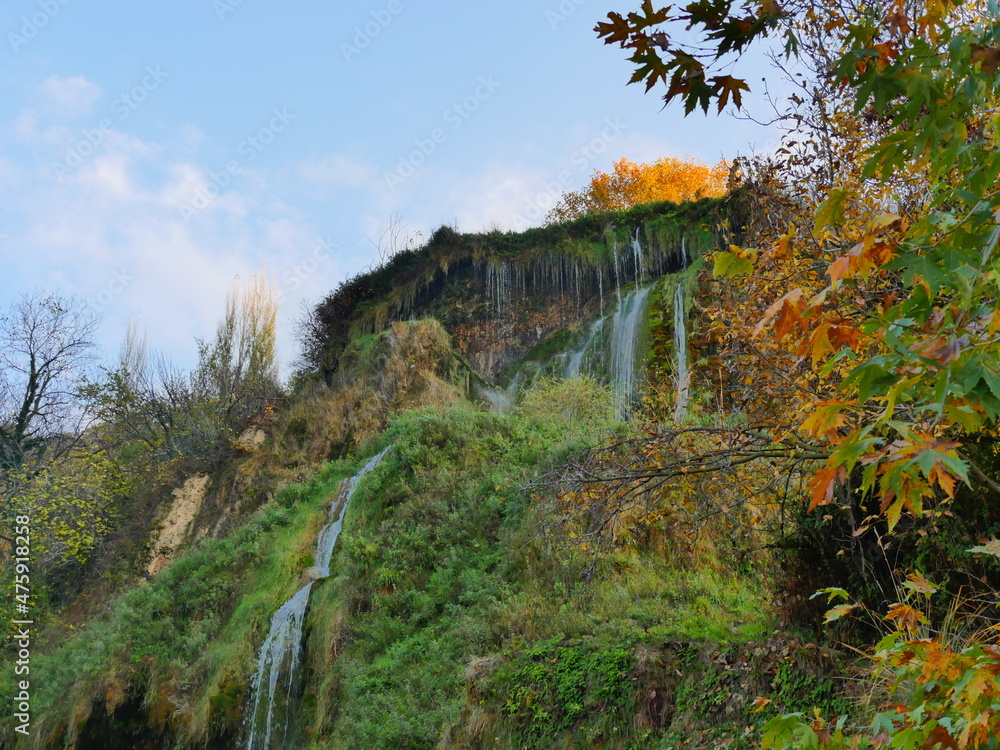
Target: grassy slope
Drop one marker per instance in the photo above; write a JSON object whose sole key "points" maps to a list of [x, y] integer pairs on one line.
{"points": [[451, 620], [455, 622]]}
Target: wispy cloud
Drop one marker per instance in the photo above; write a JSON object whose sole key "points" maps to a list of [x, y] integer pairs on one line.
{"points": [[112, 233], [324, 175], [69, 97]]}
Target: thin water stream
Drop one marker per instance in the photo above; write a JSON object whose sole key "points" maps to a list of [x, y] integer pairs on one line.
{"points": [[278, 675], [683, 377]]}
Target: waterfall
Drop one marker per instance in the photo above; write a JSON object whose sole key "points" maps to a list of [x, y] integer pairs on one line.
{"points": [[618, 277], [278, 666], [626, 326], [279, 662], [637, 259], [498, 285], [683, 377], [574, 363], [610, 349]]}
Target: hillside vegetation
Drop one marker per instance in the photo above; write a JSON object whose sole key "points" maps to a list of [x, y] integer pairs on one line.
{"points": [[711, 474]]}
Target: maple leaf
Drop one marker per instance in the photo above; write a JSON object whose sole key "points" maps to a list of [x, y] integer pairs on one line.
{"points": [[770, 8], [650, 68], [825, 419], [735, 263], [831, 210], [988, 58], [788, 306], [918, 583], [905, 616], [822, 485], [941, 349], [941, 737], [728, 85], [835, 613], [618, 30]]}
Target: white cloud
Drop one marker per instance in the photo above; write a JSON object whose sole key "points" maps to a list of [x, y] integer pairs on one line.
{"points": [[337, 171], [111, 233], [499, 196], [26, 129], [69, 97]]}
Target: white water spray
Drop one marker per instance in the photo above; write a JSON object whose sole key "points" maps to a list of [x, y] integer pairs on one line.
{"points": [[280, 661], [683, 377], [618, 276], [625, 328], [610, 349], [637, 259]]}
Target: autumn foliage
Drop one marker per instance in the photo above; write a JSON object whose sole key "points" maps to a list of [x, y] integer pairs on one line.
{"points": [[855, 310], [669, 178]]}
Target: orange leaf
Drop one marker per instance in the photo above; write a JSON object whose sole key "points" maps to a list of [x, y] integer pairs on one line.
{"points": [[789, 307], [905, 615], [919, 583], [839, 268], [943, 477], [823, 483], [839, 611], [825, 419]]}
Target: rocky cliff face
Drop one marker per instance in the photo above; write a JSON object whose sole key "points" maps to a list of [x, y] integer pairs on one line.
{"points": [[500, 294]]}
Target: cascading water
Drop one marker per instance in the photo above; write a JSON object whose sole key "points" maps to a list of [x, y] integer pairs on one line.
{"points": [[277, 674], [278, 666], [618, 276], [680, 345], [625, 328], [498, 285], [574, 362], [610, 348], [637, 259]]}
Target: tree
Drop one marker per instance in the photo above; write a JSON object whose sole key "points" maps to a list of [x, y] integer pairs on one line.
{"points": [[899, 325], [874, 292], [238, 371], [156, 413], [73, 503], [667, 179], [46, 343]]}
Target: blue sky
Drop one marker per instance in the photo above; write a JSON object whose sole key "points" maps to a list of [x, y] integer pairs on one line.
{"points": [[152, 151]]}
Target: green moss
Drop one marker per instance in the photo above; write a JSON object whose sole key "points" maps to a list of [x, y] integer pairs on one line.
{"points": [[411, 283], [555, 688]]}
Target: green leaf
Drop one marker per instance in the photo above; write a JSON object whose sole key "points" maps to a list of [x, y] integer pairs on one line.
{"points": [[990, 548], [832, 593], [731, 264], [831, 211]]}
